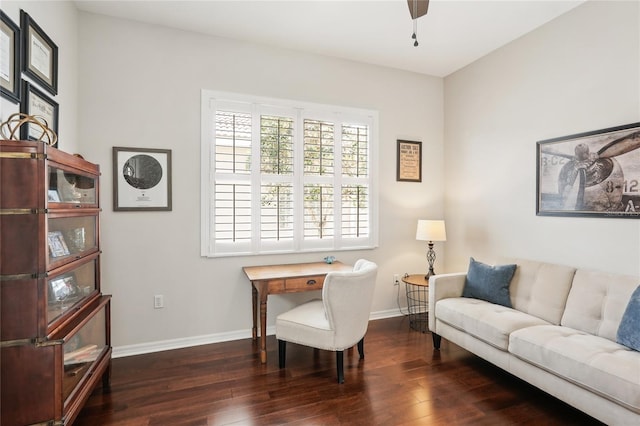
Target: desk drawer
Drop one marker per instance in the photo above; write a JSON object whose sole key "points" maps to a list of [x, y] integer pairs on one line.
{"points": [[304, 283], [275, 286]]}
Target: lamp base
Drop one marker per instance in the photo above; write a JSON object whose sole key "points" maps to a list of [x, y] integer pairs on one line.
{"points": [[429, 274], [431, 258]]}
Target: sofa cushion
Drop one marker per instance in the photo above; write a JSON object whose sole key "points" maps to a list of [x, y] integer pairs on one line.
{"points": [[597, 301], [629, 329], [540, 288], [486, 321], [487, 282], [594, 363]]}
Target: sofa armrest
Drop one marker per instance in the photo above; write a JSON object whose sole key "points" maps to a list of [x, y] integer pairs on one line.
{"points": [[441, 287]]}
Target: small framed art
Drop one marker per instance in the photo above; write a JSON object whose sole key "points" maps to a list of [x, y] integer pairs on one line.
{"points": [[63, 288], [141, 179], [409, 165], [10, 58], [57, 244], [591, 174], [35, 102], [39, 53]]}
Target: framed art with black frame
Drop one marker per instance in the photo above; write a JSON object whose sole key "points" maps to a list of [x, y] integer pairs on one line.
{"points": [[591, 174], [141, 179], [39, 54], [409, 161], [10, 60], [35, 102]]}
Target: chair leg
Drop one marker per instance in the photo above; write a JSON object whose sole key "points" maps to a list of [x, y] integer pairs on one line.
{"points": [[436, 340], [282, 352], [340, 365], [361, 348]]}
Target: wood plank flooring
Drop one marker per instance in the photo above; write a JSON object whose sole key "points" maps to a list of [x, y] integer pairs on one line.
{"points": [[401, 381]]}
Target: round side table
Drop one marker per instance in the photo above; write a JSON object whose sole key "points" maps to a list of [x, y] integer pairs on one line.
{"points": [[417, 287]]}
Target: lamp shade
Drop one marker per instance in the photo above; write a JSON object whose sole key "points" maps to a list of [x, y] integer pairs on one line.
{"points": [[431, 230]]}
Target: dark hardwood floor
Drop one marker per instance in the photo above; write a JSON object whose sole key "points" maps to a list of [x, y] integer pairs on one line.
{"points": [[402, 381]]}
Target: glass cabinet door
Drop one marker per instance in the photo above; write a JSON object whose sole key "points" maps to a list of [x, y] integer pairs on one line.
{"points": [[67, 289], [71, 236], [82, 349], [70, 187]]}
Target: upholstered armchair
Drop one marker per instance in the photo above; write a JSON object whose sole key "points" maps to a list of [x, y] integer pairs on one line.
{"points": [[338, 321]]}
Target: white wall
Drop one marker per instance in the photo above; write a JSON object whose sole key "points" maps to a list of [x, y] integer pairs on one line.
{"points": [[140, 87], [59, 20], [129, 84], [578, 73]]}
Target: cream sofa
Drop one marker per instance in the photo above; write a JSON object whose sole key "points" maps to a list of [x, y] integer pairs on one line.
{"points": [[560, 335]]}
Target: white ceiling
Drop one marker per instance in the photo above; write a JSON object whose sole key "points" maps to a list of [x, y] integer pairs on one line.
{"points": [[453, 34]]}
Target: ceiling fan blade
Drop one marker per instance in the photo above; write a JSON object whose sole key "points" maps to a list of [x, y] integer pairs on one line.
{"points": [[418, 8]]}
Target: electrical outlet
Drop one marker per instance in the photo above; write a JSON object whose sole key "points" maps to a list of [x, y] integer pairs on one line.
{"points": [[396, 278], [158, 301]]}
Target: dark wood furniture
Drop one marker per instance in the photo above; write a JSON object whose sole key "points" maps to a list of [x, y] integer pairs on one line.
{"points": [[55, 323], [279, 279]]}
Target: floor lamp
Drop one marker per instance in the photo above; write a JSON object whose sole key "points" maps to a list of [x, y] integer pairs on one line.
{"points": [[430, 231]]}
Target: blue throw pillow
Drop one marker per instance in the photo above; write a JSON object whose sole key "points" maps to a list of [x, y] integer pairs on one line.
{"points": [[629, 328], [490, 283]]}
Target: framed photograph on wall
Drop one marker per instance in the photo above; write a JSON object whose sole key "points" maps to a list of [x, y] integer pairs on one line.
{"points": [[592, 174], [9, 58], [141, 179], [35, 102], [409, 161], [39, 53]]}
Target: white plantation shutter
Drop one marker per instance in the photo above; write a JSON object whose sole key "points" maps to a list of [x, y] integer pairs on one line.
{"points": [[276, 213], [276, 145], [355, 211], [319, 152], [355, 150], [318, 211], [355, 169], [284, 176], [233, 212], [233, 142]]}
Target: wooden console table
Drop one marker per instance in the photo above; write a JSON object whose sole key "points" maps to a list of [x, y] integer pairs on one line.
{"points": [[279, 279]]}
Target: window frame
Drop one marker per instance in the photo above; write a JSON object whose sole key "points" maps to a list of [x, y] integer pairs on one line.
{"points": [[298, 110]]}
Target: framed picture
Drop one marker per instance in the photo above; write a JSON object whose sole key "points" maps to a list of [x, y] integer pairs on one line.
{"points": [[9, 59], [35, 102], [141, 179], [39, 54], [409, 166], [57, 244], [53, 195], [62, 288], [592, 174]]}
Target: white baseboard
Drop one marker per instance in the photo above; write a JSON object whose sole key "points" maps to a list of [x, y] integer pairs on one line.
{"points": [[185, 342]]}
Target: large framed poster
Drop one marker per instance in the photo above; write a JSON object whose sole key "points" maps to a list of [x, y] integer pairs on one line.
{"points": [[593, 174]]}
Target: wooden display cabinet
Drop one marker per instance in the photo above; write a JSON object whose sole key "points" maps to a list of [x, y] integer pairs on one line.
{"points": [[55, 334]]}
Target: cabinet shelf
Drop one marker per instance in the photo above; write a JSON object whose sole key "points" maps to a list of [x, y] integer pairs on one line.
{"points": [[55, 322]]}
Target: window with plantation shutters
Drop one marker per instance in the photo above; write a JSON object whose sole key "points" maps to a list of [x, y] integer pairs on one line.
{"points": [[285, 176]]}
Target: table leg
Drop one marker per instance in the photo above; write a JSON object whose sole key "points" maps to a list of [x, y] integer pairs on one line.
{"points": [[263, 326], [254, 305]]}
